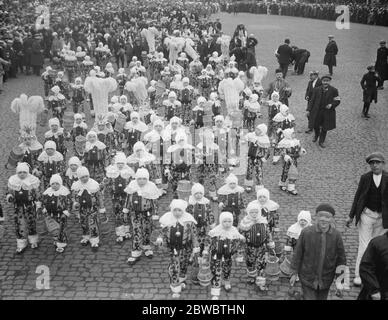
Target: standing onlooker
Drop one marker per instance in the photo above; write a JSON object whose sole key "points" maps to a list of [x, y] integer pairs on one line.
{"points": [[374, 270], [321, 109], [370, 206], [36, 55], [281, 86], [369, 83], [284, 55], [331, 51], [314, 82], [27, 52], [318, 252], [382, 63]]}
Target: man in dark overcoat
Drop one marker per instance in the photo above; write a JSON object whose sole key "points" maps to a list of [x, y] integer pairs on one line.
{"points": [[369, 83], [321, 109], [331, 52], [37, 54], [314, 82], [381, 65], [284, 55]]}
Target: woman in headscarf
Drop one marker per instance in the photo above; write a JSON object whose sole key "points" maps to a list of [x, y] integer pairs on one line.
{"points": [[258, 153], [49, 162], [254, 227], [199, 207], [291, 150], [95, 156], [88, 199], [56, 203], [282, 120], [133, 132], [180, 236], [23, 193], [230, 197], [140, 206], [225, 241], [118, 175]]}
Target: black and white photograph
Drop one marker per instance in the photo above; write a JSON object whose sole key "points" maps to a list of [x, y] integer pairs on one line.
{"points": [[198, 151]]}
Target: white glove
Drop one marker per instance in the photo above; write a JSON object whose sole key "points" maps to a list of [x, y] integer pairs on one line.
{"points": [[125, 210], [287, 158], [167, 171], [66, 213], [220, 205], [205, 252], [196, 250], [102, 210], [279, 130], [38, 205], [159, 241], [240, 259]]}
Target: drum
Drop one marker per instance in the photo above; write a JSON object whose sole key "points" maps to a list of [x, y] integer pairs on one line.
{"points": [[41, 227], [105, 226], [43, 118], [120, 123], [16, 155], [184, 189], [272, 269], [52, 226]]}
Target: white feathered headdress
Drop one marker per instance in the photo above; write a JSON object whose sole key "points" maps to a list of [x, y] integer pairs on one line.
{"points": [[258, 73], [28, 109]]}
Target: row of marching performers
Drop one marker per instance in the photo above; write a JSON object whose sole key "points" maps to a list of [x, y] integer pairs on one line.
{"points": [[188, 230]]}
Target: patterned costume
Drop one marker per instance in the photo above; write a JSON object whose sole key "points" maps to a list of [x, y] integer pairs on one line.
{"points": [[251, 112], [291, 150], [283, 120], [258, 153], [78, 95], [133, 132], [224, 244], [141, 205], [118, 175], [254, 227], [95, 156], [58, 135], [88, 197], [171, 106], [180, 237], [273, 109], [57, 205], [49, 163], [57, 103], [23, 193], [230, 197]]}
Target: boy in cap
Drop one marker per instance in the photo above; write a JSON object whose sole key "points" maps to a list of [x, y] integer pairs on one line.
{"points": [[369, 206], [318, 254]]}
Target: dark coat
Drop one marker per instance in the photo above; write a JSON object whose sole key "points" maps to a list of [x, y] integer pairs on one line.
{"points": [[381, 65], [330, 54], [317, 104], [284, 53], [369, 83], [361, 197], [306, 257], [374, 268], [309, 90], [36, 54]]}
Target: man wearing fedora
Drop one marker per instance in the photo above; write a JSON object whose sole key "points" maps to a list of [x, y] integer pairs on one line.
{"points": [[314, 82], [321, 109], [331, 51], [370, 206], [318, 256]]}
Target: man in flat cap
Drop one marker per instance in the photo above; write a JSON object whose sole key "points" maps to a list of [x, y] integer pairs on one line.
{"points": [[382, 63], [331, 52], [314, 82], [369, 83], [370, 206], [319, 255], [321, 109]]}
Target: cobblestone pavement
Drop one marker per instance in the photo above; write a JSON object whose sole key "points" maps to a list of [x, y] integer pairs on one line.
{"points": [[325, 175]]}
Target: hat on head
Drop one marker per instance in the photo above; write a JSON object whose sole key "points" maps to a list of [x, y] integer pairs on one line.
{"points": [[56, 178], [54, 122], [375, 156], [370, 67], [120, 158], [326, 76], [178, 204], [75, 161], [50, 145], [278, 71], [314, 72], [22, 167], [197, 188], [326, 207], [382, 42], [330, 36], [82, 172], [142, 173]]}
